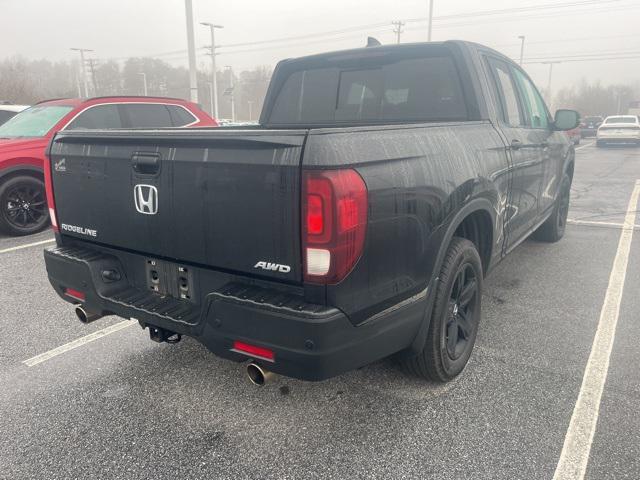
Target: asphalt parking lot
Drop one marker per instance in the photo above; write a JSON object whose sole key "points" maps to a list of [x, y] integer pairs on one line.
{"points": [[124, 407]]}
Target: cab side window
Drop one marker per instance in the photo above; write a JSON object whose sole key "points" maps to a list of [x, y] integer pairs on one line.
{"points": [[147, 115], [506, 91], [535, 109], [98, 117]]}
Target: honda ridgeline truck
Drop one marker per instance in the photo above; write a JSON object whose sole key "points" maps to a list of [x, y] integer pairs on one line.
{"points": [[356, 221]]}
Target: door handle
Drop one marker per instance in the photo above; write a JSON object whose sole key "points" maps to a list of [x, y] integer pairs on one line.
{"points": [[145, 163], [516, 144]]}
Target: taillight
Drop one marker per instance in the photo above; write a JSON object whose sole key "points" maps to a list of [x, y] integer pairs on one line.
{"points": [[334, 222], [48, 185]]}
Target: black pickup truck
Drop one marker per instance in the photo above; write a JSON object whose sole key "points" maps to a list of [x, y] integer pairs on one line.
{"points": [[356, 221]]}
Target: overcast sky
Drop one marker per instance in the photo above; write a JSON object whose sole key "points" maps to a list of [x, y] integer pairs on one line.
{"points": [[120, 28]]}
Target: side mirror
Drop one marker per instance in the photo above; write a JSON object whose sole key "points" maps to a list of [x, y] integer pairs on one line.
{"points": [[566, 120]]}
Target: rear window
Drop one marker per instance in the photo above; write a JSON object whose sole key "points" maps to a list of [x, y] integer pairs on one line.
{"points": [[627, 119], [415, 89]]}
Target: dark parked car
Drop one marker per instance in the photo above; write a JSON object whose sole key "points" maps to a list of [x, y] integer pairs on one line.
{"points": [[356, 221], [589, 126]]}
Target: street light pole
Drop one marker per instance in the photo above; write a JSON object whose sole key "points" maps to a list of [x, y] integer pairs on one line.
{"points": [[144, 83], [84, 68], [214, 97], [430, 25], [250, 110], [193, 76], [521, 37]]}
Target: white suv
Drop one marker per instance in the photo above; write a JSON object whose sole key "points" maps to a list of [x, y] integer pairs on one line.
{"points": [[619, 129]]}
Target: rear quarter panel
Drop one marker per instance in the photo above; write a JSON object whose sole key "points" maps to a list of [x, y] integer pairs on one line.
{"points": [[418, 177]]}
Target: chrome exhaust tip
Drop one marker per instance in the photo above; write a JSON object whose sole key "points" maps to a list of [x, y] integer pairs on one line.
{"points": [[86, 316], [257, 374]]}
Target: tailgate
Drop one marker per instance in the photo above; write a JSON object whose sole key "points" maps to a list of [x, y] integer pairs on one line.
{"points": [[223, 199]]}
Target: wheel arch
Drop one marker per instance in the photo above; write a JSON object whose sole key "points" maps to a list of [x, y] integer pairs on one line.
{"points": [[475, 221], [16, 170], [475, 209]]}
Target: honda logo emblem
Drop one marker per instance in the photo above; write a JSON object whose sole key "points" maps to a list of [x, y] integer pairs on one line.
{"points": [[146, 198]]}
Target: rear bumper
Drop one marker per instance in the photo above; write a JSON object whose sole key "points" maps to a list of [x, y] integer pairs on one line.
{"points": [[309, 342], [620, 138]]}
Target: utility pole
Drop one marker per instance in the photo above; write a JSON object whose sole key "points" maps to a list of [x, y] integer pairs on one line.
{"points": [[92, 64], [231, 92], [193, 76], [144, 83], [214, 97], [78, 85], [521, 37], [398, 24], [84, 68], [211, 90], [430, 24], [250, 110]]}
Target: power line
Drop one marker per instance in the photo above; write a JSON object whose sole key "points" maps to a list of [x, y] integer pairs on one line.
{"points": [[425, 19], [561, 40], [584, 55], [345, 33], [310, 35], [503, 11], [631, 57]]}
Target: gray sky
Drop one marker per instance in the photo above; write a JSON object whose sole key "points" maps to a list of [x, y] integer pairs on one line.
{"points": [[120, 28]]}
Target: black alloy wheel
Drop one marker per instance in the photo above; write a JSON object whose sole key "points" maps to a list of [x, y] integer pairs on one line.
{"points": [[23, 206], [461, 311], [455, 315]]}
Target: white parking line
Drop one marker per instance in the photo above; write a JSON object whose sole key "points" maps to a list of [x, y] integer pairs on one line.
{"points": [[584, 146], [43, 357], [20, 247], [600, 224], [577, 443]]}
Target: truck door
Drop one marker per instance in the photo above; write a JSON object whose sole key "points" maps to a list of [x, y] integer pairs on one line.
{"points": [[552, 144], [524, 145]]}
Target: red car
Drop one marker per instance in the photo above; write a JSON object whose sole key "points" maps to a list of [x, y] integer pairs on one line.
{"points": [[24, 138], [574, 135]]}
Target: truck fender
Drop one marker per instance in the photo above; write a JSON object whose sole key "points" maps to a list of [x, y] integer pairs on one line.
{"points": [[478, 204]]}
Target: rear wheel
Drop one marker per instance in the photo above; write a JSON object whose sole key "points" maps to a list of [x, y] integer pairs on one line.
{"points": [[23, 206], [553, 228], [456, 315]]}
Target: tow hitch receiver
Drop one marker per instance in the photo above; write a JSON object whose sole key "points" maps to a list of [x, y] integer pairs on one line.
{"points": [[160, 335]]}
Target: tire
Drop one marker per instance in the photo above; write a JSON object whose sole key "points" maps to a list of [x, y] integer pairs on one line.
{"points": [[553, 228], [23, 206], [600, 144], [456, 315]]}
